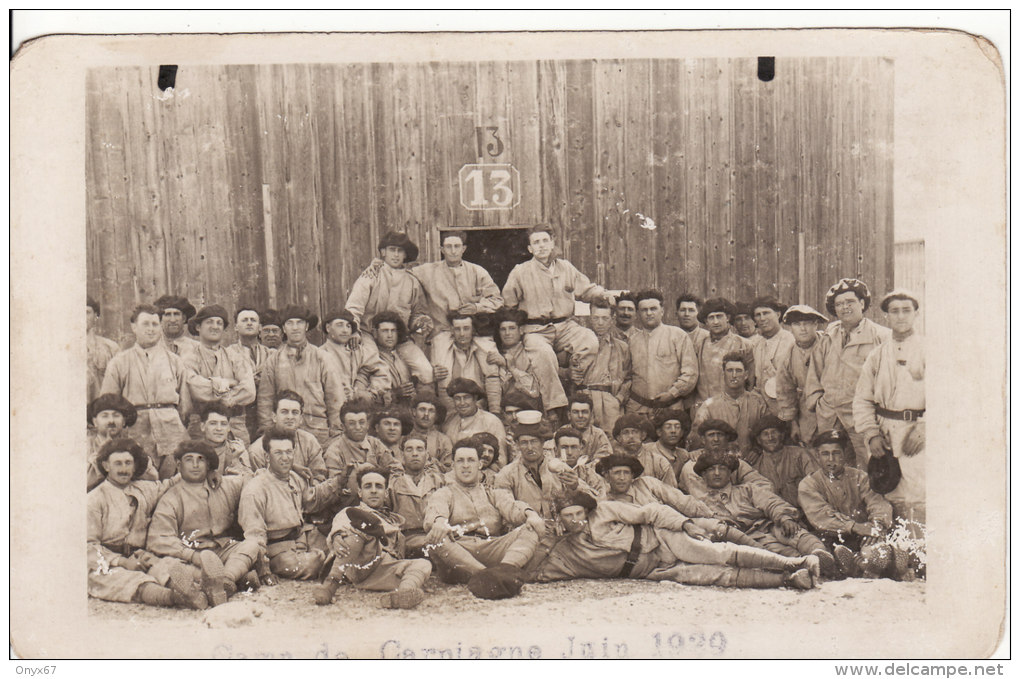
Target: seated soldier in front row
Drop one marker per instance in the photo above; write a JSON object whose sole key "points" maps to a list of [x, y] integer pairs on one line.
{"points": [[287, 416], [272, 511], [194, 522], [355, 449], [467, 522], [849, 516], [109, 414], [119, 567], [759, 513], [620, 540], [409, 492], [369, 549]]}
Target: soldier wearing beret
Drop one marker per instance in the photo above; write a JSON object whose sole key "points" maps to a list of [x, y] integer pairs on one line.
{"points": [[717, 314], [426, 413], [468, 418], [625, 481], [671, 428], [609, 539], [306, 369], [784, 465], [174, 313], [743, 322], [369, 549], [735, 405], [194, 521], [390, 425], [391, 287], [718, 436], [271, 331], [98, 349], [630, 433], [792, 398], [759, 513], [118, 513], [771, 350], [889, 404], [837, 366], [153, 378], [218, 376], [108, 416]]}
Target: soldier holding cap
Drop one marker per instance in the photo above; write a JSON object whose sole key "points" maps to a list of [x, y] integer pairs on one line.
{"points": [[793, 403], [837, 365], [889, 403]]}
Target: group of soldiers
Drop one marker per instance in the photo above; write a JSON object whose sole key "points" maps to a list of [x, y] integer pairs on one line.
{"points": [[496, 438]]}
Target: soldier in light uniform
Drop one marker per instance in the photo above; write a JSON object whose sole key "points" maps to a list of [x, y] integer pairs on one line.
{"points": [[771, 350], [98, 350], [791, 378]]}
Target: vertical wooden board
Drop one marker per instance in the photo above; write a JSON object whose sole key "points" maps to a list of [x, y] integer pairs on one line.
{"points": [[637, 168], [881, 97], [382, 95], [325, 80], [718, 187], [699, 248], [458, 84], [554, 208], [440, 189], [765, 178], [492, 106], [745, 134], [362, 169], [147, 176], [819, 139], [407, 140], [524, 142], [610, 196], [585, 223], [788, 186], [668, 178]]}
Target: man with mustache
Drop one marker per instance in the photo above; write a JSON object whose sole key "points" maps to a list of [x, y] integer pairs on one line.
{"points": [[109, 415], [174, 313]]}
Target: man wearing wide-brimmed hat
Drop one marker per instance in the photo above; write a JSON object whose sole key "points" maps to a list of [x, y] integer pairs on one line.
{"points": [[841, 353], [391, 287], [216, 375], [118, 513], [174, 313], [154, 380], [109, 415], [717, 315], [771, 349], [194, 522], [792, 400], [306, 369], [889, 404]]}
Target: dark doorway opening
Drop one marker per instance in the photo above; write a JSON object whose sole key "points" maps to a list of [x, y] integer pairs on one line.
{"points": [[496, 249]]}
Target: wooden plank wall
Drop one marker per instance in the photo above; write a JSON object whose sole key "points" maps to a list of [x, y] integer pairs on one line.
{"points": [[729, 169]]}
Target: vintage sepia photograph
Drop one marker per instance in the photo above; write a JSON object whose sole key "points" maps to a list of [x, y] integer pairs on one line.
{"points": [[517, 346]]}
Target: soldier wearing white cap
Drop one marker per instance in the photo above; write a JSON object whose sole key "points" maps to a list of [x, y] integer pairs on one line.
{"points": [[791, 378], [841, 353], [889, 403]]}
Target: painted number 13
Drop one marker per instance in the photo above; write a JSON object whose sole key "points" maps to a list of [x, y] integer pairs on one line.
{"points": [[500, 194], [493, 149]]}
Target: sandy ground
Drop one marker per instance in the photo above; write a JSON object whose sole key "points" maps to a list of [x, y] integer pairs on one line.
{"points": [[585, 618]]}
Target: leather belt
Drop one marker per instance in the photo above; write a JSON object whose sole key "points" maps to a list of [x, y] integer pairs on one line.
{"points": [[124, 549], [633, 555], [292, 534], [155, 406], [546, 320], [650, 403], [595, 387], [904, 415]]}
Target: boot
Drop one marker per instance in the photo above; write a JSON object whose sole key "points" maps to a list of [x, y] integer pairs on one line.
{"points": [[849, 562], [212, 577], [801, 579], [747, 557], [826, 562], [229, 587], [186, 592], [323, 593], [250, 581], [402, 598], [877, 560], [152, 594], [758, 579]]}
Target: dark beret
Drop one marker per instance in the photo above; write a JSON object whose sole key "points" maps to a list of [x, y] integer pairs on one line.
{"points": [[578, 499], [711, 458], [304, 313], [201, 447], [406, 425], [462, 385], [603, 466], [665, 416], [769, 421], [830, 436], [270, 317], [211, 311], [538, 430], [884, 474], [634, 421], [743, 309], [365, 522], [714, 305], [399, 239], [175, 302], [717, 425], [123, 444], [501, 581], [113, 402], [516, 398], [770, 302], [847, 285], [341, 314]]}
